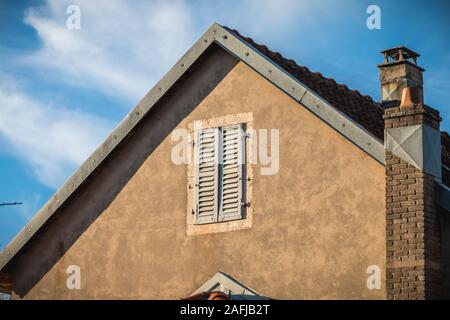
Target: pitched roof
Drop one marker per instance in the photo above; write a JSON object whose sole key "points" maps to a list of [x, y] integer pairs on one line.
{"points": [[226, 284], [358, 107], [356, 117], [361, 108]]}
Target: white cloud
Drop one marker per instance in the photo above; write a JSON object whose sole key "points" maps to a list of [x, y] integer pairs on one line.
{"points": [[275, 21], [120, 49], [53, 140]]}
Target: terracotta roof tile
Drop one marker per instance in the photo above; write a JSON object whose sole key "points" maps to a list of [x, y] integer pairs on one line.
{"points": [[361, 108]]}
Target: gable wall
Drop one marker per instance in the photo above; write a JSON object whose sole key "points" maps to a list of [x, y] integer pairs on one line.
{"points": [[317, 225]]}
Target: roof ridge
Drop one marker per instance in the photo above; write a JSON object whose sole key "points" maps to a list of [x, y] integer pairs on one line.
{"points": [[278, 56], [360, 108]]}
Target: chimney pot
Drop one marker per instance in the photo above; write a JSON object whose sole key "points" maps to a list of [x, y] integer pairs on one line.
{"points": [[410, 97], [399, 70]]}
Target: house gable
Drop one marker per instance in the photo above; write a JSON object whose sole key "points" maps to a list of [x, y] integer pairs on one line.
{"points": [[121, 222], [245, 52]]}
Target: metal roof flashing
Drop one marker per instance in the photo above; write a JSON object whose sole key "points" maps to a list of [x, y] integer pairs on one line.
{"points": [[343, 124]]}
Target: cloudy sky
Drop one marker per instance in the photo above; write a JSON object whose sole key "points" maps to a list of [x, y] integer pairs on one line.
{"points": [[63, 90]]}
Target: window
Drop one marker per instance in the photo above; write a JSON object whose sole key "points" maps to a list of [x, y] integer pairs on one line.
{"points": [[220, 169], [218, 186]]}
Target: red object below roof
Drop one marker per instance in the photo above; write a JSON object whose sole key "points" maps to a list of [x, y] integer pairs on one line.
{"points": [[214, 295]]}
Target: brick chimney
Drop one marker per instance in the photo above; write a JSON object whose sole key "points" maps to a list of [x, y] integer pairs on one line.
{"points": [[398, 71], [413, 165]]}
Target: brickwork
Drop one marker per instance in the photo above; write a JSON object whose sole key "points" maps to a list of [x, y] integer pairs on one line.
{"points": [[414, 115], [412, 221]]}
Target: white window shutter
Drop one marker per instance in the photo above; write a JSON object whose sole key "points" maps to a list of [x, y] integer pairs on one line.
{"points": [[232, 173], [207, 175]]}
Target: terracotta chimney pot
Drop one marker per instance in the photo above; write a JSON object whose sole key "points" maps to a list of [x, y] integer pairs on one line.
{"points": [[410, 97]]}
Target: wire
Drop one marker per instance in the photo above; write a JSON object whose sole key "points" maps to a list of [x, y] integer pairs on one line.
{"points": [[10, 203]]}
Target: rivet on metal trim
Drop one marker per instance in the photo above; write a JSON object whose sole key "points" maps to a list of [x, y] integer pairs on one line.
{"points": [[205, 40], [182, 65], [225, 37], [247, 53]]}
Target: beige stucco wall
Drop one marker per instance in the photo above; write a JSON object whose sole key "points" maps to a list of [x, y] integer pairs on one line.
{"points": [[317, 224]]}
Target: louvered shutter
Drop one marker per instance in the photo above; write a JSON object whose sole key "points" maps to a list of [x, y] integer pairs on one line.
{"points": [[207, 167], [232, 170]]}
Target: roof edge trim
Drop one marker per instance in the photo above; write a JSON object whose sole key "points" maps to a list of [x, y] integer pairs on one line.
{"points": [[225, 280], [301, 93], [238, 48], [106, 147]]}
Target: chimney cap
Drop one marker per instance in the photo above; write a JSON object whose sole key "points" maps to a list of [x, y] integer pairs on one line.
{"points": [[400, 53]]}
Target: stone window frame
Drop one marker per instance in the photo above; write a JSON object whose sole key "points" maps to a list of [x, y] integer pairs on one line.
{"points": [[192, 228]]}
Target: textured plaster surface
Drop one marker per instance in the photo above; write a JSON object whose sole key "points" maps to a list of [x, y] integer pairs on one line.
{"points": [[317, 224]]}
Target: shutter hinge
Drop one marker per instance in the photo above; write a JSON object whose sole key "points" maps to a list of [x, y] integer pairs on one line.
{"points": [[245, 204]]}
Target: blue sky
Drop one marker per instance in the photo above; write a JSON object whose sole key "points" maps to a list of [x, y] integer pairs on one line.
{"points": [[62, 91]]}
